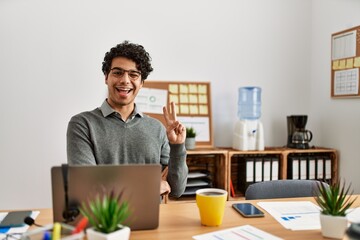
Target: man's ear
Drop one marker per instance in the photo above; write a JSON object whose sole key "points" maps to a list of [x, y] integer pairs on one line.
{"points": [[106, 79]]}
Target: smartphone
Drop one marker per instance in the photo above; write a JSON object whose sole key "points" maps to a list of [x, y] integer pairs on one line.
{"points": [[247, 210], [15, 219]]}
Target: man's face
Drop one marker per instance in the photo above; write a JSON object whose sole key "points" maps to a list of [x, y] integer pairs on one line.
{"points": [[123, 86]]}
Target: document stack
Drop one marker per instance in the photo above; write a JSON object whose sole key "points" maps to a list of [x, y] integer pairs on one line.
{"points": [[196, 180]]}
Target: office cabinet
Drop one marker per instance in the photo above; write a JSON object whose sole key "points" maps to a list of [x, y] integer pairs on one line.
{"points": [[248, 167], [207, 168], [234, 170], [316, 163]]}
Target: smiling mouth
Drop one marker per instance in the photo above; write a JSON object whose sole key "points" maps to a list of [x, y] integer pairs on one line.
{"points": [[123, 90]]}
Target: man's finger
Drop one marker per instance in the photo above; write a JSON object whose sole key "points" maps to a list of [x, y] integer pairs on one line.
{"points": [[166, 115], [173, 110]]}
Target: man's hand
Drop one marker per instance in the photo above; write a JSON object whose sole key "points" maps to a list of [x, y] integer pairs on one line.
{"points": [[164, 185], [176, 132]]}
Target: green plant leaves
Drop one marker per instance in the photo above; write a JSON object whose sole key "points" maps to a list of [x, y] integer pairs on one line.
{"points": [[334, 199], [106, 212], [190, 132]]}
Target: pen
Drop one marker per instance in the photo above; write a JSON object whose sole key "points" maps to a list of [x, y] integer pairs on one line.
{"points": [[81, 225], [47, 236], [56, 231]]}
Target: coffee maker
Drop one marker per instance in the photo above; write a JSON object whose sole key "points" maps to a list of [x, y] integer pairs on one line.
{"points": [[298, 136]]}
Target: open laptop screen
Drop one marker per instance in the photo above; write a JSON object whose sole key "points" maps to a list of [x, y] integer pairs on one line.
{"points": [[140, 184]]}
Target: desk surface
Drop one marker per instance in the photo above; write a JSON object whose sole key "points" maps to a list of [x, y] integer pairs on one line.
{"points": [[182, 221]]}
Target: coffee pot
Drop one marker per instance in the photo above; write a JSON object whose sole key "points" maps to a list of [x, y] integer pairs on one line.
{"points": [[302, 136], [298, 136]]}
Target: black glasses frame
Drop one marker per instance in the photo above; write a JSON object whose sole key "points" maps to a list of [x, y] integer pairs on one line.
{"points": [[133, 74]]}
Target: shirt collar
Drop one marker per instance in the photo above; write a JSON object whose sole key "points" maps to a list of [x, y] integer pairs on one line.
{"points": [[107, 110]]}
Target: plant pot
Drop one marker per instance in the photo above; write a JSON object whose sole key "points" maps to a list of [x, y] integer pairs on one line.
{"points": [[121, 234], [190, 143], [333, 226]]}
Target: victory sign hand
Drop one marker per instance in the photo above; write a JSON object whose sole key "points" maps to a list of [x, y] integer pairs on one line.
{"points": [[175, 131]]}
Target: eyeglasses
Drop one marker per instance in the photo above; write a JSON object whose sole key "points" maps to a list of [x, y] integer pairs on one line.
{"points": [[119, 73]]}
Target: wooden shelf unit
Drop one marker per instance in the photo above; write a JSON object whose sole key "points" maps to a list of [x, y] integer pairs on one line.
{"points": [[235, 155], [280, 152], [222, 165], [213, 160], [317, 150]]}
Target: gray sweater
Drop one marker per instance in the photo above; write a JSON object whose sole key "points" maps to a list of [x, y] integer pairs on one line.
{"points": [[101, 137]]}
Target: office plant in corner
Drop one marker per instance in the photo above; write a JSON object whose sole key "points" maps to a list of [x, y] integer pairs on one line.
{"points": [[106, 214], [334, 200], [190, 138]]}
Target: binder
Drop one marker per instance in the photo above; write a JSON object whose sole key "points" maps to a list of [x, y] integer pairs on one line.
{"points": [[327, 169], [275, 169], [312, 166], [249, 170], [258, 170], [293, 167], [246, 173], [267, 169], [303, 168], [320, 168]]}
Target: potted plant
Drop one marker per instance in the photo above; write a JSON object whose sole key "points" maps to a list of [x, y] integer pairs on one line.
{"points": [[106, 213], [334, 200], [190, 138]]}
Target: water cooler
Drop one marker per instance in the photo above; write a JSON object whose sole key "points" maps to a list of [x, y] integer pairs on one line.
{"points": [[249, 133]]}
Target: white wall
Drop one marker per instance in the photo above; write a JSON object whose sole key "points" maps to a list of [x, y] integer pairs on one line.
{"points": [[337, 120], [51, 54]]}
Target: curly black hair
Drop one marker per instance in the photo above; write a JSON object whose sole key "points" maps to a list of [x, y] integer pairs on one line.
{"points": [[134, 52]]}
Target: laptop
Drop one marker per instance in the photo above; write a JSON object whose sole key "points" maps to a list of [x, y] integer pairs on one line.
{"points": [[140, 183]]}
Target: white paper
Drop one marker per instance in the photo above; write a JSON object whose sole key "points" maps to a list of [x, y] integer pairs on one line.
{"points": [[295, 215], [344, 45], [197, 174], [237, 233], [201, 126], [353, 215], [193, 182], [346, 82], [151, 100]]}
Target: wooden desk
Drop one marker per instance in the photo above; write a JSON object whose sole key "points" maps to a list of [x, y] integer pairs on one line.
{"points": [[182, 221]]}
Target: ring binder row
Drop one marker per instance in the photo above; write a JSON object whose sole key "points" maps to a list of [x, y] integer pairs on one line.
{"points": [[313, 167], [255, 168]]}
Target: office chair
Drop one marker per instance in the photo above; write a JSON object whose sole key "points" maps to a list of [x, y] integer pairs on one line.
{"points": [[282, 189]]}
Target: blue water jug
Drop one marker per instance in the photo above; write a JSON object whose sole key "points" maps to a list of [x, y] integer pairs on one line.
{"points": [[249, 104]]}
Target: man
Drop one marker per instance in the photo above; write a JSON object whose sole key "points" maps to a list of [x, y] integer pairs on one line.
{"points": [[119, 133]]}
